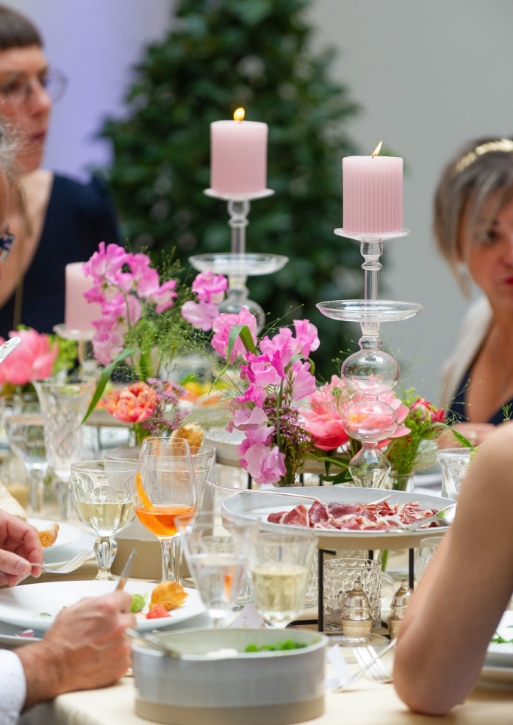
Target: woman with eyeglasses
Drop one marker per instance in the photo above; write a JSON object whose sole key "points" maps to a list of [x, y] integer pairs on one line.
{"points": [[55, 220]]}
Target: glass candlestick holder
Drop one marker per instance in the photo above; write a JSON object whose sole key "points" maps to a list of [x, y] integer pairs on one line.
{"points": [[86, 358], [238, 265]]}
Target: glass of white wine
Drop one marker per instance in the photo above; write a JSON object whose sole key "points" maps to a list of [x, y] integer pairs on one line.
{"points": [[103, 497], [279, 566]]}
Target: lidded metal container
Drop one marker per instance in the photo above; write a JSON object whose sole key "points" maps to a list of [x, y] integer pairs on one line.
{"points": [[356, 619], [399, 603]]}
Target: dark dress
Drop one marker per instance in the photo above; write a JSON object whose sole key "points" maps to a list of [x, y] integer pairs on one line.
{"points": [[457, 410], [79, 217]]}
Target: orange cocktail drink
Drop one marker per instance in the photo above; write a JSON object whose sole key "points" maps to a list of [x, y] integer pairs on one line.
{"points": [[160, 520]]}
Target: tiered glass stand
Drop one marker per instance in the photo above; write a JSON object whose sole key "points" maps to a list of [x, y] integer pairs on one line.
{"points": [[371, 373], [238, 265], [86, 358]]}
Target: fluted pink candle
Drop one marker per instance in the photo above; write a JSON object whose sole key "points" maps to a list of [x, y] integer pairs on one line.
{"points": [[78, 313], [372, 194], [238, 156]]}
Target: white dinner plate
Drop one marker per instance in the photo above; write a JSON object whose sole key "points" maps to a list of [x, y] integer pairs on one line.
{"points": [[35, 606], [67, 533], [501, 655]]}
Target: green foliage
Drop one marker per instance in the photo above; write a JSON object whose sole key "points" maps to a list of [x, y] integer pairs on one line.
{"points": [[221, 54]]}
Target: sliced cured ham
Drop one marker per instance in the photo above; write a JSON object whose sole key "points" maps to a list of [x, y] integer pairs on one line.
{"points": [[352, 516]]}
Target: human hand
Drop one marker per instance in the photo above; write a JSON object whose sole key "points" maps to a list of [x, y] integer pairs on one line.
{"points": [[84, 649], [475, 433], [19, 547]]}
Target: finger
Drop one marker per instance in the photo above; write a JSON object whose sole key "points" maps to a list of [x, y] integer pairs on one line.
{"points": [[14, 565], [121, 600]]}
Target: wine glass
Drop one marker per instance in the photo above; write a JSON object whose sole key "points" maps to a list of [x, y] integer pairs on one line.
{"points": [[103, 497], [279, 565], [165, 489], [24, 427], [216, 553], [63, 406]]}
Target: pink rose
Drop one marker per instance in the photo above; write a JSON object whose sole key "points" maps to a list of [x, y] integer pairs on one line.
{"points": [[324, 419], [210, 287], [133, 404], [33, 359], [200, 315]]}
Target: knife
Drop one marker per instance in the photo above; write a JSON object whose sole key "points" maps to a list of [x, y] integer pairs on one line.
{"points": [[126, 571], [8, 347]]}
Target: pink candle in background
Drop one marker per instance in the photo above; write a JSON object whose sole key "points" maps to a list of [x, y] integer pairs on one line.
{"points": [[79, 314], [238, 156], [372, 194]]}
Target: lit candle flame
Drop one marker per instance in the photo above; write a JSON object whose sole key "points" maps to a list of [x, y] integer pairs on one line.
{"points": [[376, 150], [238, 114]]}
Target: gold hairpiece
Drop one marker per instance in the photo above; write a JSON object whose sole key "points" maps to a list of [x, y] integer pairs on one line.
{"points": [[504, 144]]}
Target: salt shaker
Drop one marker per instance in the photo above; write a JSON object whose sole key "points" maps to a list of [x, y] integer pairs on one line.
{"points": [[356, 620], [398, 608]]}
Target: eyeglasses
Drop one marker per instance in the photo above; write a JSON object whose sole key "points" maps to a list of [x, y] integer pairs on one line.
{"points": [[18, 87], [6, 242]]}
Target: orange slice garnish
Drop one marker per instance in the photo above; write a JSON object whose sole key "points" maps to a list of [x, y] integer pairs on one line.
{"points": [[142, 493]]}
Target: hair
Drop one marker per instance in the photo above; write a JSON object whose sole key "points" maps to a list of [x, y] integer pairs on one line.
{"points": [[482, 168], [16, 30]]}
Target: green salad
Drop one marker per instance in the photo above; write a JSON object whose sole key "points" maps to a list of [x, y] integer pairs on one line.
{"points": [[278, 647]]}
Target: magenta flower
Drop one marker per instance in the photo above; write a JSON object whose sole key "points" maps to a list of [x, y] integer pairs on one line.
{"points": [[264, 464], [106, 264], [108, 340], [303, 382], [306, 336], [210, 287], [253, 394], [261, 371], [281, 347], [245, 418], [260, 434], [33, 359], [200, 315], [119, 306], [222, 326], [164, 296]]}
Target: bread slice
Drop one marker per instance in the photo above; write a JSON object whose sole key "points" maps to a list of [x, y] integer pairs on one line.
{"points": [[48, 537], [9, 504]]}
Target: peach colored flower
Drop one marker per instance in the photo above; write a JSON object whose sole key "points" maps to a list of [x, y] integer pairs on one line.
{"points": [[324, 419], [133, 404], [33, 359]]}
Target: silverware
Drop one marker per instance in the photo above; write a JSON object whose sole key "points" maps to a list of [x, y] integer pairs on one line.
{"points": [[8, 347], [366, 667], [152, 642], [377, 670], [123, 578], [297, 495], [68, 566], [444, 517]]}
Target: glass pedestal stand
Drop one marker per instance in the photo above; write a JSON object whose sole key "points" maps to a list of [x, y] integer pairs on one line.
{"points": [[370, 373], [88, 364], [237, 265]]}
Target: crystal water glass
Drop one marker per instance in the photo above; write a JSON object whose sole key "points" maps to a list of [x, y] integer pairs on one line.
{"points": [[279, 566], [340, 576], [165, 488], [103, 497], [454, 463], [216, 553], [24, 427], [63, 406]]}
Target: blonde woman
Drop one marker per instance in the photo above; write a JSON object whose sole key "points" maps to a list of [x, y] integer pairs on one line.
{"points": [[474, 229]]}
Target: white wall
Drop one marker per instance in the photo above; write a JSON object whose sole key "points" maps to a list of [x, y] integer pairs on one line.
{"points": [[429, 75]]}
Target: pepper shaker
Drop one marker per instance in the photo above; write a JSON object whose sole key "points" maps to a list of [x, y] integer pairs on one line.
{"points": [[356, 620], [398, 608]]}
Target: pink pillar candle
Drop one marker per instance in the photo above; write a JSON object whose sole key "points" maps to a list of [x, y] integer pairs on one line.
{"points": [[372, 194], [238, 157], [79, 314]]}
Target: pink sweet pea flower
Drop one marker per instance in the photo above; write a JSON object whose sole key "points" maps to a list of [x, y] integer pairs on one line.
{"points": [[264, 464], [33, 359], [164, 296], [222, 326], [261, 371], [307, 337], [133, 404], [245, 418], [260, 434], [282, 346], [303, 382], [200, 315], [108, 340], [210, 287], [253, 394], [105, 266]]}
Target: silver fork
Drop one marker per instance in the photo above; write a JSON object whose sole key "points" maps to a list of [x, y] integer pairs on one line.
{"points": [[365, 668], [68, 566], [377, 670]]}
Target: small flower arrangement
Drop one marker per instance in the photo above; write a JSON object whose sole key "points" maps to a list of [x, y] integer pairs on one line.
{"points": [[277, 374]]}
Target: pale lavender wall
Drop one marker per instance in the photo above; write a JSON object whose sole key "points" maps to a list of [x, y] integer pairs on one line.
{"points": [[96, 42]]}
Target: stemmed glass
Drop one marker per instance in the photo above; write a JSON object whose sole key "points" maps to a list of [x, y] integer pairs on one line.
{"points": [[103, 497], [165, 489], [216, 555], [279, 565], [63, 406], [24, 427]]}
